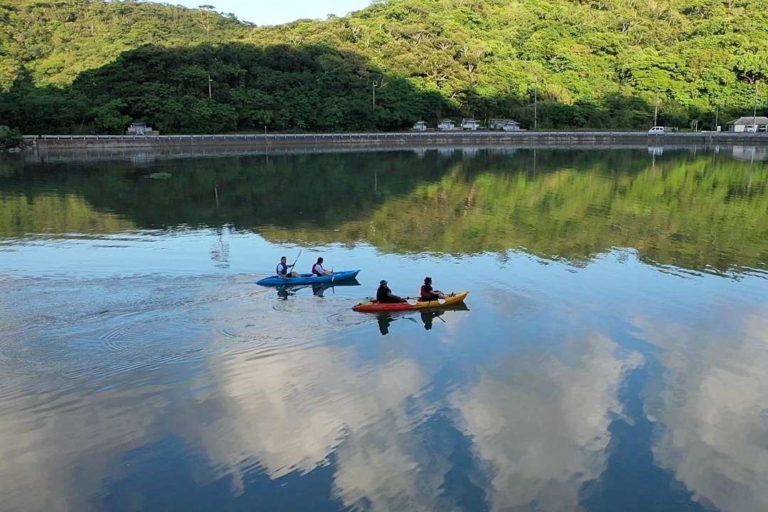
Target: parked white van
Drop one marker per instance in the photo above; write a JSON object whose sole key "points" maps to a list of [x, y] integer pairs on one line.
{"points": [[470, 124], [446, 125], [657, 130]]}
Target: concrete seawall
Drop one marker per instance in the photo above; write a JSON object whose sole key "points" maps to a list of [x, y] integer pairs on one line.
{"points": [[456, 138]]}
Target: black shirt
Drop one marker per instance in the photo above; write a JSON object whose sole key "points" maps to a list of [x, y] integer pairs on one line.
{"points": [[383, 293]]}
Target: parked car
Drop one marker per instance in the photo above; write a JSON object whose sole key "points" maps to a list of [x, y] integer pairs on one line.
{"points": [[511, 126], [657, 130], [446, 125], [750, 128], [470, 124], [420, 126]]}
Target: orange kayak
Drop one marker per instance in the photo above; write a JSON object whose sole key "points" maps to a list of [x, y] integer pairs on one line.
{"points": [[373, 306]]}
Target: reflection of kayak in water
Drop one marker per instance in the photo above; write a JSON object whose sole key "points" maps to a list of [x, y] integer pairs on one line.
{"points": [[374, 306], [427, 316], [317, 289], [308, 279]]}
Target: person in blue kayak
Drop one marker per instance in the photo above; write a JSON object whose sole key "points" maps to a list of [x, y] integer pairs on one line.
{"points": [[318, 270], [384, 295], [283, 269], [428, 293]]}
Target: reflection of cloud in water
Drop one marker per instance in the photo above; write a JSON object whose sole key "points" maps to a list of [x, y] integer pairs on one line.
{"points": [[388, 468], [290, 412], [57, 457], [714, 407], [543, 424], [45, 434], [271, 395]]}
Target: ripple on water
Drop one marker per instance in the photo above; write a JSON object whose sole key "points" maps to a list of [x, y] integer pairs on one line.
{"points": [[349, 318], [89, 330]]}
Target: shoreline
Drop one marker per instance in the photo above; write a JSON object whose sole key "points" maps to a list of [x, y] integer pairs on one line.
{"points": [[267, 142], [141, 156]]}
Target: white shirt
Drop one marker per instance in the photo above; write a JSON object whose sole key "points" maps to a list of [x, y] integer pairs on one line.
{"points": [[318, 269]]}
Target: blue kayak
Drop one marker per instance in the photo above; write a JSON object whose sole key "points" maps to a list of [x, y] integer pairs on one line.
{"points": [[308, 279]]}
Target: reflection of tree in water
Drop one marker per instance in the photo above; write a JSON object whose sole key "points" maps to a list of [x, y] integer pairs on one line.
{"points": [[220, 251], [575, 210], [578, 203]]}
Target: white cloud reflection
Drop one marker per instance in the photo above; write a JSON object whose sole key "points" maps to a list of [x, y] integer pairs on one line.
{"points": [[542, 423], [294, 400], [290, 412], [713, 405], [56, 450]]}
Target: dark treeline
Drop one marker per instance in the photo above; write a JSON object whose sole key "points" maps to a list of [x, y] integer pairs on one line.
{"points": [[90, 66], [278, 87]]}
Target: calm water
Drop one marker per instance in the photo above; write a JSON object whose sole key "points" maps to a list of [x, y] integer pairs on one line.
{"points": [[612, 355]]}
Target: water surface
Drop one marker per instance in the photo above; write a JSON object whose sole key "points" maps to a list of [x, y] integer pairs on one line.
{"points": [[611, 356]]}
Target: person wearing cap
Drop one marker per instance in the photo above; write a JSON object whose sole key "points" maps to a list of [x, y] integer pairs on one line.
{"points": [[428, 293], [385, 295]]}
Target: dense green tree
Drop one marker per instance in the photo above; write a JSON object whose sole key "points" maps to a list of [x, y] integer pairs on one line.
{"points": [[10, 138], [592, 64], [108, 119]]}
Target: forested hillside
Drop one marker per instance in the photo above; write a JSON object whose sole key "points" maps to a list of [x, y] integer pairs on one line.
{"points": [[93, 66]]}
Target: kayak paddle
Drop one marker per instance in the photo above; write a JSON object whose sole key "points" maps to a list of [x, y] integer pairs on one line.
{"points": [[297, 259]]}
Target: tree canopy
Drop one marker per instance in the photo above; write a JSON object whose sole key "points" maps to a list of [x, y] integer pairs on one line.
{"points": [[89, 65]]}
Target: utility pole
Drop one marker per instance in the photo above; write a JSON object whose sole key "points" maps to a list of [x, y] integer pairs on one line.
{"points": [[656, 113], [754, 110], [717, 117], [536, 106], [373, 92], [205, 20]]}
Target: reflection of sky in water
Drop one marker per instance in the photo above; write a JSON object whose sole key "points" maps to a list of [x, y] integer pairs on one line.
{"points": [[542, 423], [508, 406], [531, 383], [146, 371], [713, 404]]}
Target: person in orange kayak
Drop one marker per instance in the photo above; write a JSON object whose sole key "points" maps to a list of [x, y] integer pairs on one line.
{"points": [[384, 294], [428, 293], [318, 270]]}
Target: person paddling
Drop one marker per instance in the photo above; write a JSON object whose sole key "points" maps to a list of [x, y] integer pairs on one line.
{"points": [[385, 295], [428, 293], [283, 269], [318, 270]]}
